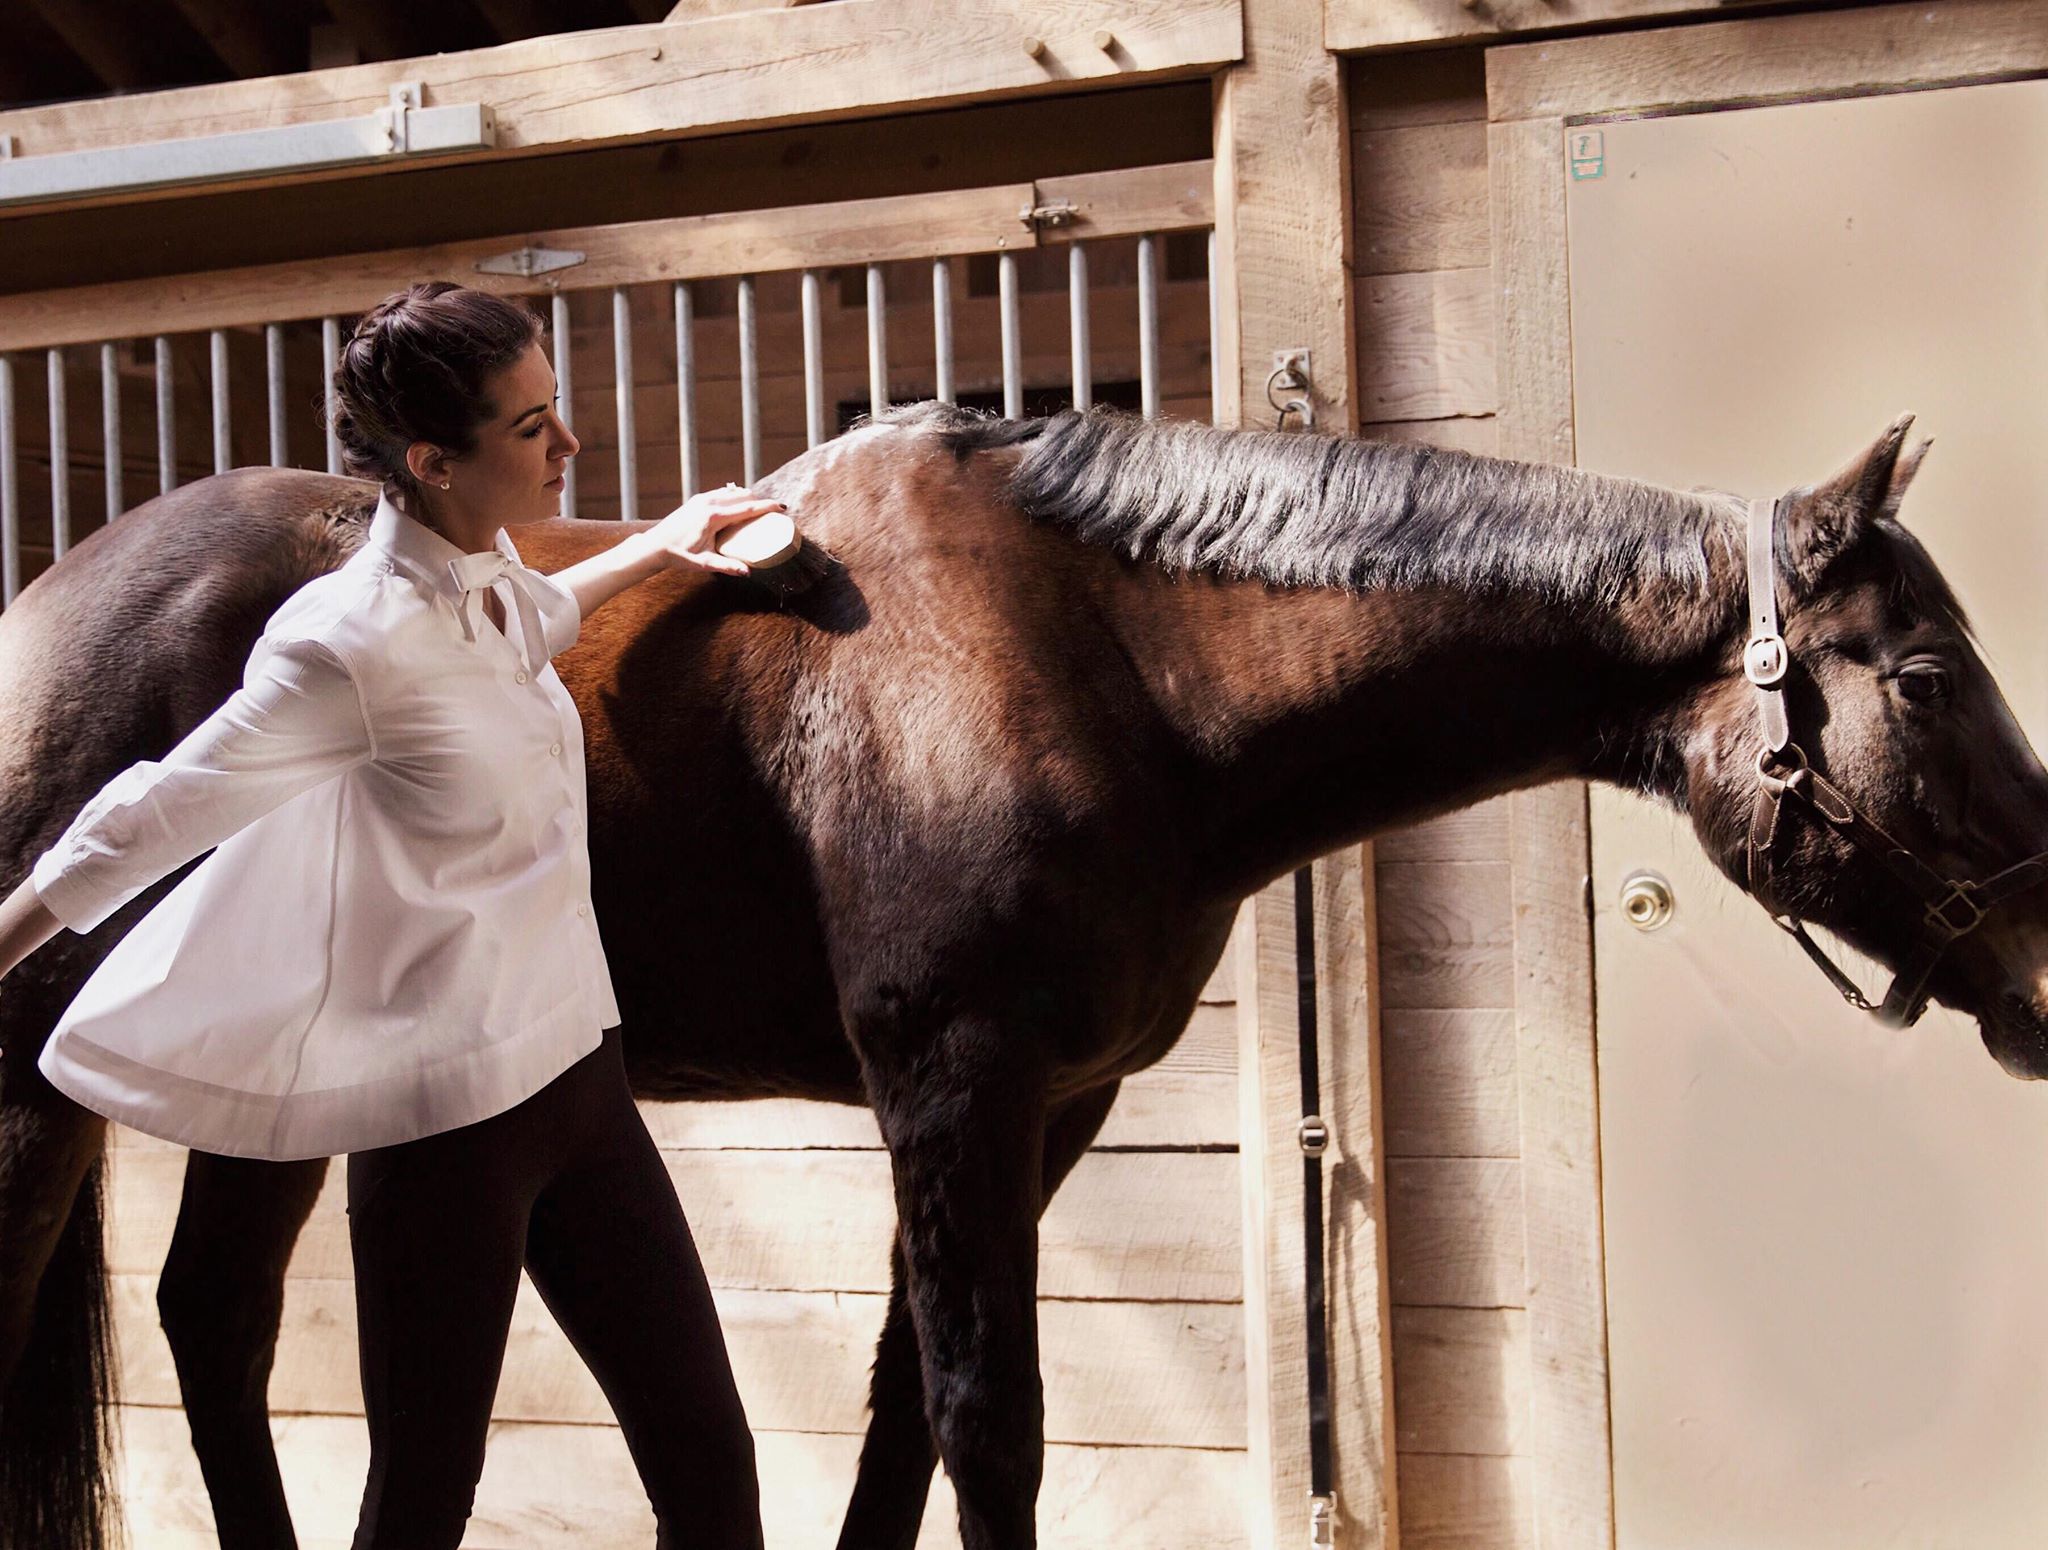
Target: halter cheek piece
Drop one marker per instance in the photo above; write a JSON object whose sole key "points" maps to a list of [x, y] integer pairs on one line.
{"points": [[1786, 783]]}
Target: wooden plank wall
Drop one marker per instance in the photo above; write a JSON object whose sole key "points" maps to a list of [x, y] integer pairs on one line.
{"points": [[1141, 1312], [1426, 373]]}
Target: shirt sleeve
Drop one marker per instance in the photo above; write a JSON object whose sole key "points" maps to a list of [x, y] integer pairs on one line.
{"points": [[561, 616], [297, 720]]}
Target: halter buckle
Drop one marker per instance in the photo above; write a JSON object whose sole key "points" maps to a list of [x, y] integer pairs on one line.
{"points": [[1957, 913], [1765, 659]]}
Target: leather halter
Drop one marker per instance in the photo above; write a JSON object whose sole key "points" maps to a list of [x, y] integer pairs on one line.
{"points": [[1949, 909]]}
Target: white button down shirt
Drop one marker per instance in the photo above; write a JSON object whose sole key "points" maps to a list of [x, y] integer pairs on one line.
{"points": [[394, 936]]}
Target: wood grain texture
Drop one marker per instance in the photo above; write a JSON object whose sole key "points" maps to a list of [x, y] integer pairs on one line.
{"points": [[552, 1487], [1462, 1380], [1572, 1475], [1466, 1502], [1573, 1482], [1451, 1080], [1362, 1425], [1467, 433], [1360, 25], [1769, 59], [1454, 1227], [616, 85], [1433, 86], [1445, 934], [1152, 1374], [1429, 337], [1131, 1226], [1476, 833], [1420, 195]]}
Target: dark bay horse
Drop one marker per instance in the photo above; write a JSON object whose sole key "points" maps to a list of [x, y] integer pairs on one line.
{"points": [[960, 833]]}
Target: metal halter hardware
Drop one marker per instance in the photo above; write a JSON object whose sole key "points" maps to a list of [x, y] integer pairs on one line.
{"points": [[1948, 909]]}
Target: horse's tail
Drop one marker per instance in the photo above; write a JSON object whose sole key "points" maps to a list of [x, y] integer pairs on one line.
{"points": [[57, 1418]]}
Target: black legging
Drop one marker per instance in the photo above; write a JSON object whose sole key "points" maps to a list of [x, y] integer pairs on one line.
{"points": [[569, 1184]]}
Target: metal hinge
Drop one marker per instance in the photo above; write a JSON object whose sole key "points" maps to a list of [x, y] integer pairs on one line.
{"points": [[1058, 212], [529, 261], [1314, 1136]]}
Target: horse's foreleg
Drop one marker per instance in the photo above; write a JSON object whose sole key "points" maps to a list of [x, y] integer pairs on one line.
{"points": [[964, 1118], [896, 1460], [220, 1299]]}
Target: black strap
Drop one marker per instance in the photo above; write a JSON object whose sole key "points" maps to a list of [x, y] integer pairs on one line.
{"points": [[1312, 1185]]}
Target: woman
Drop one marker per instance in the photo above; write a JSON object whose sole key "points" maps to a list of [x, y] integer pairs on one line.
{"points": [[392, 952]]}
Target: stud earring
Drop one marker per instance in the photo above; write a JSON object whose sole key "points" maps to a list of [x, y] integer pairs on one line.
{"points": [[447, 484]]}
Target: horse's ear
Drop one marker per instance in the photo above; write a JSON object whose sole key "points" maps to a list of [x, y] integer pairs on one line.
{"points": [[1822, 521]]}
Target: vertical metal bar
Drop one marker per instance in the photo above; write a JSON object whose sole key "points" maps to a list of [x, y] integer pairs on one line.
{"points": [[10, 490], [1148, 326], [1013, 348], [60, 458], [878, 341], [110, 425], [942, 326], [166, 420], [223, 451], [558, 325], [1215, 337], [622, 396], [686, 385], [750, 384], [1077, 324], [273, 370], [330, 359], [814, 361]]}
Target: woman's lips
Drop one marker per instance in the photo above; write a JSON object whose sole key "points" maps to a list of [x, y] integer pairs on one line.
{"points": [[555, 483]]}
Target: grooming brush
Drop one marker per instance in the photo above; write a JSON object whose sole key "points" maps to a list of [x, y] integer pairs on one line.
{"points": [[776, 556]]}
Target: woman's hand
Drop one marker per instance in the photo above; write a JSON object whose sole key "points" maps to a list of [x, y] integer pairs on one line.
{"points": [[689, 534]]}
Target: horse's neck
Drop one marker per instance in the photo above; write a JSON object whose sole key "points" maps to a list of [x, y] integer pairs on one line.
{"points": [[1326, 716]]}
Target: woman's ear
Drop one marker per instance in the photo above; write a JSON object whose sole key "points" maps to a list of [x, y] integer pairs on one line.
{"points": [[1821, 522], [427, 464]]}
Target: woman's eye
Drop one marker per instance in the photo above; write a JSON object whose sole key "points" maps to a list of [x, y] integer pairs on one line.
{"points": [[529, 435], [1923, 684]]}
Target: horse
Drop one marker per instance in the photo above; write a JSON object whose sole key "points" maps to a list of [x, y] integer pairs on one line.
{"points": [[959, 832]]}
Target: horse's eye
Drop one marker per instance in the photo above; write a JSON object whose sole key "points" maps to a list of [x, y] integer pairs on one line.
{"points": [[1923, 683]]}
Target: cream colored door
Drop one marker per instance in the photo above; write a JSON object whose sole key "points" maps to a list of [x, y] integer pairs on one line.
{"points": [[1827, 1243]]}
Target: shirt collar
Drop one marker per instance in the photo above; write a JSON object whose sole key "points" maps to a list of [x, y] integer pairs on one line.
{"points": [[420, 548]]}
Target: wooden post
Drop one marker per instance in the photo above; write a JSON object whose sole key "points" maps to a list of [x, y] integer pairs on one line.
{"points": [[1550, 860], [1283, 281]]}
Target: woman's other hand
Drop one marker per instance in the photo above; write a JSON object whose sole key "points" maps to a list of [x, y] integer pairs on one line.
{"points": [[689, 534]]}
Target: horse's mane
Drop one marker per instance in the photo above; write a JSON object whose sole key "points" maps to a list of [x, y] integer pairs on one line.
{"points": [[1299, 509]]}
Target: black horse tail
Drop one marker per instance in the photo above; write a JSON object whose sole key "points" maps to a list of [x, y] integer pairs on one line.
{"points": [[58, 1426]]}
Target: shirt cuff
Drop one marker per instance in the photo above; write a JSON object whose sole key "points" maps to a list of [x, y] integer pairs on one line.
{"points": [[74, 902]]}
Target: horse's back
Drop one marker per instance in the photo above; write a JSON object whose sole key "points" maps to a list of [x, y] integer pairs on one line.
{"points": [[146, 624]]}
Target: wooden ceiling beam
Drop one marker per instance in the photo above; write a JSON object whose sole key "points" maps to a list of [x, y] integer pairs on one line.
{"points": [[767, 69], [36, 65]]}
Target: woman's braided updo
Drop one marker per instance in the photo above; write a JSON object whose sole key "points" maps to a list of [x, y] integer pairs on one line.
{"points": [[414, 369]]}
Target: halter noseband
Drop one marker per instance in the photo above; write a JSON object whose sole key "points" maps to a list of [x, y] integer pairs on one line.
{"points": [[1949, 909]]}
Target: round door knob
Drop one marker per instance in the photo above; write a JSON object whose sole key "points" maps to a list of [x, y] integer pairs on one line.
{"points": [[1646, 900]]}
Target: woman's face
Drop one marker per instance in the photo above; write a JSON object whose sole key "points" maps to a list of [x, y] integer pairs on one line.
{"points": [[514, 474]]}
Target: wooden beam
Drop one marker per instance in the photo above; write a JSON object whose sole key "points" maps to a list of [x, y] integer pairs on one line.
{"points": [[1360, 26], [1283, 280], [854, 58], [698, 10], [1757, 59], [1564, 1253], [689, 247]]}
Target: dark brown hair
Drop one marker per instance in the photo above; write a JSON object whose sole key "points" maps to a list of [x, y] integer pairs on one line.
{"points": [[414, 369]]}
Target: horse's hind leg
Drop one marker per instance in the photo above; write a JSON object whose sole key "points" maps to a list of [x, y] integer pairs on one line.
{"points": [[220, 1300], [56, 1376], [897, 1459]]}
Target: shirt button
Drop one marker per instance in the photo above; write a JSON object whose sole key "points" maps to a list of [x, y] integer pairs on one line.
{"points": [[554, 748], [583, 909], [520, 676]]}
